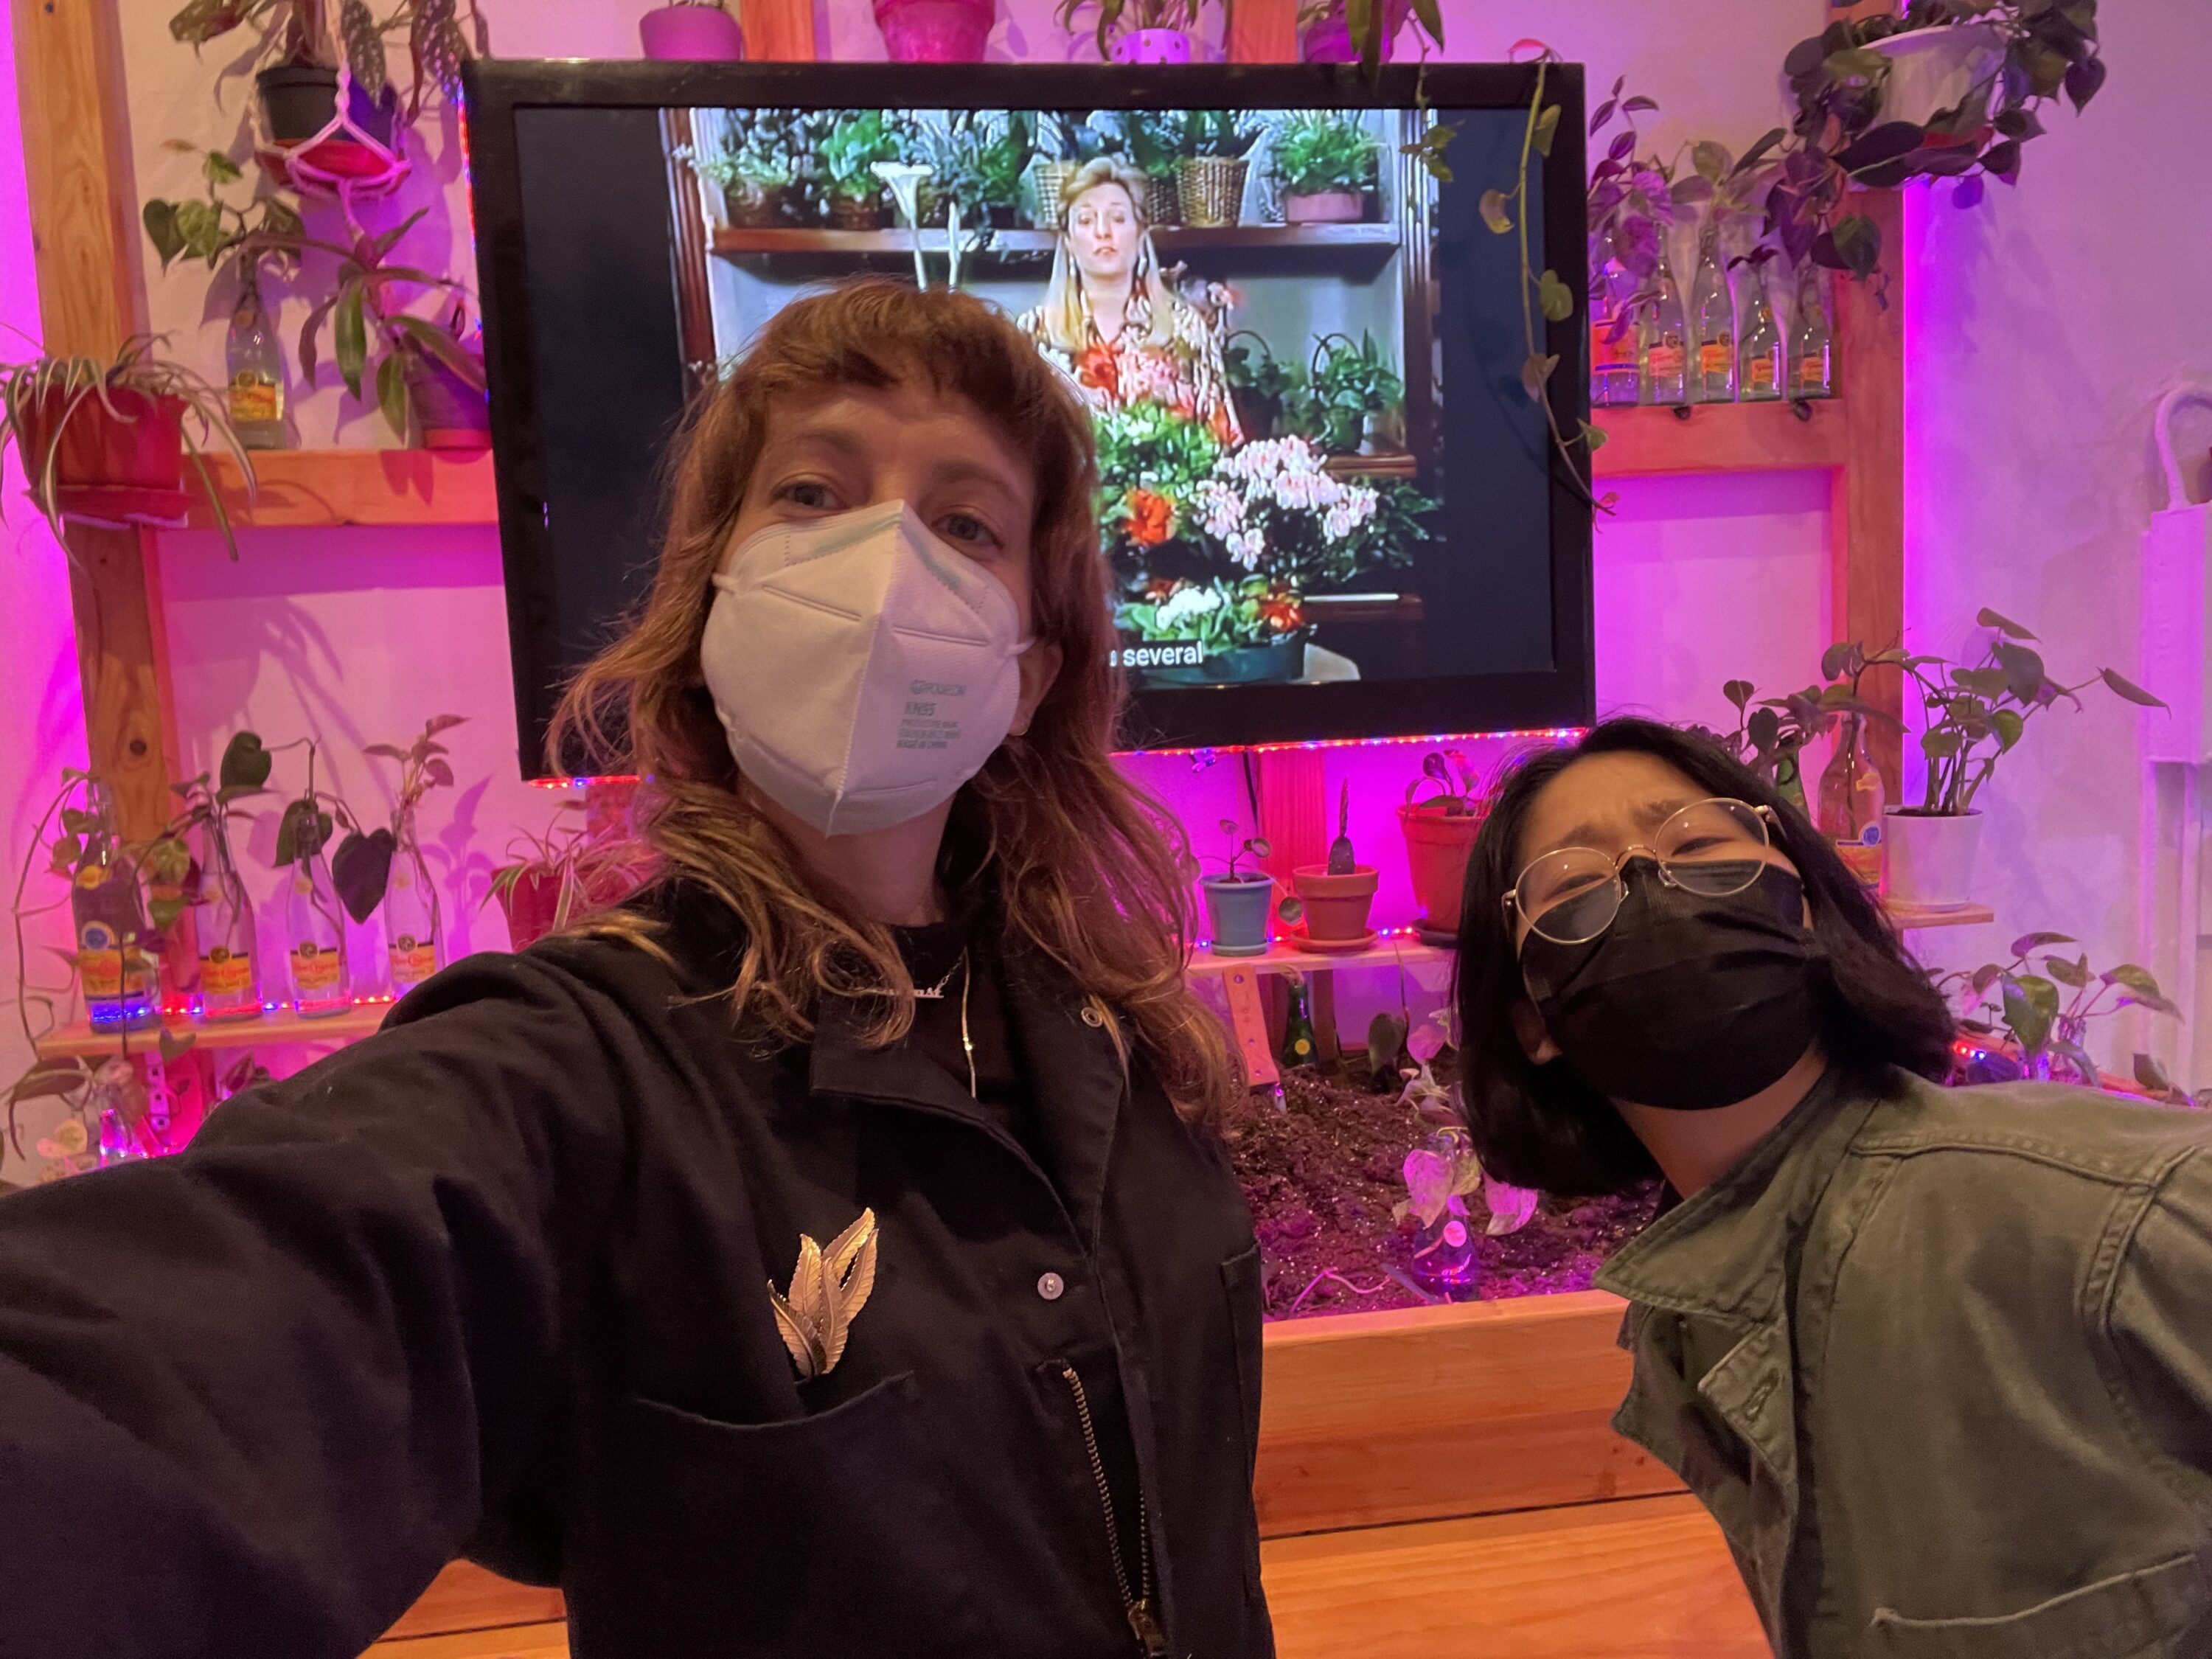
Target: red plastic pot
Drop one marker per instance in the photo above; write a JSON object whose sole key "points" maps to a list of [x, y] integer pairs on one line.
{"points": [[532, 904], [1436, 848], [125, 467], [935, 31]]}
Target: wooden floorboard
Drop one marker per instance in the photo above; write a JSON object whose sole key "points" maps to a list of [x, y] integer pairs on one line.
{"points": [[1643, 1578]]}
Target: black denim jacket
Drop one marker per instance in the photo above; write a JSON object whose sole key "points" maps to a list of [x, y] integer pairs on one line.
{"points": [[497, 1281]]}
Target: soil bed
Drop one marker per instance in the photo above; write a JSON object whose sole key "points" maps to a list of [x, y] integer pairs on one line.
{"points": [[1323, 1174]]}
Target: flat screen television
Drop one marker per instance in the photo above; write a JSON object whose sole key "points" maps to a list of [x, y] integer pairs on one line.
{"points": [[1330, 507]]}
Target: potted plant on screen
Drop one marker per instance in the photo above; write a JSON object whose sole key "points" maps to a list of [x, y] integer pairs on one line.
{"points": [[1353, 395], [107, 440], [1236, 901], [691, 32], [753, 168], [979, 159], [1324, 163], [859, 140], [1064, 145], [1211, 171], [1974, 715]]}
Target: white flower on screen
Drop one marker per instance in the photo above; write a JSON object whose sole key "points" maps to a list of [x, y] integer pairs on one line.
{"points": [[1187, 604], [1245, 546]]}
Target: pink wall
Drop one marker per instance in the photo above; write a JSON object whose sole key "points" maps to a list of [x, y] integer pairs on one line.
{"points": [[2046, 319]]}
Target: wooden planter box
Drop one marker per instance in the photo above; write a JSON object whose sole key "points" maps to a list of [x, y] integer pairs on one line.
{"points": [[1439, 1480]]}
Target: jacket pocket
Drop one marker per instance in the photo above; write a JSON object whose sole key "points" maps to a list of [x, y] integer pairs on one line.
{"points": [[814, 1537], [2135, 1615]]}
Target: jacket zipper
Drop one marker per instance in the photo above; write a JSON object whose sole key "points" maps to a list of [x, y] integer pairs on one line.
{"points": [[1144, 1624]]}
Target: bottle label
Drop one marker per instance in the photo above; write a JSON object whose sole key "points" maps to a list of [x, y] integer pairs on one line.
{"points": [[1714, 358], [225, 973], [315, 967], [1812, 377], [140, 975], [1665, 363], [1862, 857], [413, 960], [99, 962], [252, 398], [1760, 373], [1456, 1233]]}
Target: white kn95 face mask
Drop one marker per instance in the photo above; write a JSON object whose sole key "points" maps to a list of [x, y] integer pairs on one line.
{"points": [[863, 669]]}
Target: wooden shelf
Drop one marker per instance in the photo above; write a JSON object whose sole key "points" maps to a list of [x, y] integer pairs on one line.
{"points": [[1903, 915], [1646, 443], [1399, 949], [300, 487], [735, 241], [275, 1026]]}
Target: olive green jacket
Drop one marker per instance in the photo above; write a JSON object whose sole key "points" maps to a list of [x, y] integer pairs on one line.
{"points": [[1940, 1364]]}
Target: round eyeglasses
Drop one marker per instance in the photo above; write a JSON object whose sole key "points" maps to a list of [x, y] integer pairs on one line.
{"points": [[1711, 848]]}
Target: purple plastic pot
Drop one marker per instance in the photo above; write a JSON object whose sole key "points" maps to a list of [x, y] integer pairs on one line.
{"points": [[1152, 47], [1329, 40], [935, 31], [692, 34]]}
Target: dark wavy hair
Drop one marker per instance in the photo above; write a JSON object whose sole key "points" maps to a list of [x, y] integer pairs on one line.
{"points": [[1539, 1125]]}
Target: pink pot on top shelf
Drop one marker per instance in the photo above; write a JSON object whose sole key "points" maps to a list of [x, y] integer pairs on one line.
{"points": [[692, 34], [935, 31], [1152, 47]]}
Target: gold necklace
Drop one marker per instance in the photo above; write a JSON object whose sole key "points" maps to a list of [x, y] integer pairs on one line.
{"points": [[936, 993], [967, 1043]]}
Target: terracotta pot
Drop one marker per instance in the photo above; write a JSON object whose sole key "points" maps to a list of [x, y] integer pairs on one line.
{"points": [[1326, 207], [935, 31], [1931, 858], [1336, 906], [449, 412], [1152, 47], [1436, 848], [1239, 911], [105, 467], [692, 34]]}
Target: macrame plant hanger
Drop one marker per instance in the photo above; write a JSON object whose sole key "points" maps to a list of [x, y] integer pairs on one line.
{"points": [[345, 159]]}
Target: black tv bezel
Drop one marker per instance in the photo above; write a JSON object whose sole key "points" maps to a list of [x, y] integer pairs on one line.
{"points": [[1563, 695]]}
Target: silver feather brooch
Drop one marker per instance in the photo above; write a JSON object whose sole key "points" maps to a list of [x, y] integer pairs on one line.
{"points": [[828, 1288]]}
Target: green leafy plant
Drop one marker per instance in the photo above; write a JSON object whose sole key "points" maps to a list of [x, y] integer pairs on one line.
{"points": [[2048, 47], [849, 153], [1347, 384], [1459, 788], [1154, 140], [305, 829], [979, 157], [1063, 137], [585, 871], [41, 398], [360, 868], [1219, 614], [207, 800], [2046, 1015], [1975, 716], [1314, 152], [368, 324], [1119, 16], [1772, 733], [1227, 133], [767, 148], [1264, 385], [1242, 846], [209, 228], [298, 32]]}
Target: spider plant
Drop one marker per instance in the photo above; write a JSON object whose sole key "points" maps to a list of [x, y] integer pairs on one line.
{"points": [[39, 398]]}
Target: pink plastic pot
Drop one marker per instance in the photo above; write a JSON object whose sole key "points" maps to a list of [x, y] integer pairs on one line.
{"points": [[1329, 40], [692, 34], [1152, 47], [935, 31], [1324, 207]]}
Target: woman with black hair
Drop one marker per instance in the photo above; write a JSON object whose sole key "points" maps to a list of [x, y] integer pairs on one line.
{"points": [[1938, 1361]]}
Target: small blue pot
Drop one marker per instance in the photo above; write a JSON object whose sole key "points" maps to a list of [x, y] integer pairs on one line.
{"points": [[1239, 910]]}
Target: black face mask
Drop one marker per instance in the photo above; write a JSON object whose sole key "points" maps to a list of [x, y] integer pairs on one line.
{"points": [[1685, 1002]]}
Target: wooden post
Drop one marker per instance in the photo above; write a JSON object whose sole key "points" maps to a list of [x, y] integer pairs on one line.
{"points": [[778, 31], [1867, 514]]}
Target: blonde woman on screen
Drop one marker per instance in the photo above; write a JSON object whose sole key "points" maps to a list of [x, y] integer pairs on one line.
{"points": [[1111, 321]]}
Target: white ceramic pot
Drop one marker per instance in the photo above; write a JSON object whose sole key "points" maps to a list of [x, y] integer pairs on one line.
{"points": [[1934, 69], [1931, 860]]}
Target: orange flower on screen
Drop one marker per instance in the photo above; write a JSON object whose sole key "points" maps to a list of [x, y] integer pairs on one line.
{"points": [[1099, 369], [1150, 518], [1282, 612]]}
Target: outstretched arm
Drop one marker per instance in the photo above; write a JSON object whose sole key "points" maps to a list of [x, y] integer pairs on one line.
{"points": [[253, 1397]]}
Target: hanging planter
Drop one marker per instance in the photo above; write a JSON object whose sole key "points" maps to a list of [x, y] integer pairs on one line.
{"points": [[935, 31], [691, 32], [1934, 70]]}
